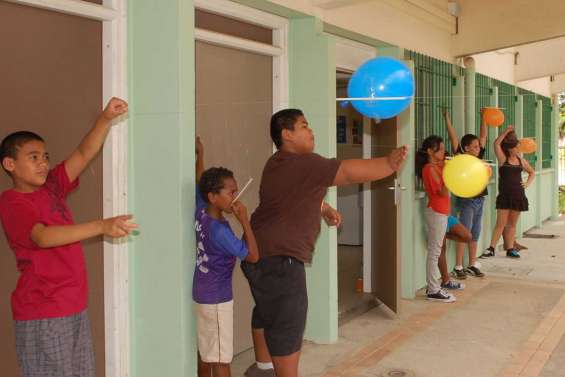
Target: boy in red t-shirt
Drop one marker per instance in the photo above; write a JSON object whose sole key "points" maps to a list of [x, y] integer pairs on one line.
{"points": [[50, 299]]}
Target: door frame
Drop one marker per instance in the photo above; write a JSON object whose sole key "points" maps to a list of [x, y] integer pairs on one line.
{"points": [[278, 50], [349, 56], [113, 15]]}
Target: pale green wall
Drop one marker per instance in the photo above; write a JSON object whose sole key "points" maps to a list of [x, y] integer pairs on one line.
{"points": [[312, 89], [161, 95]]}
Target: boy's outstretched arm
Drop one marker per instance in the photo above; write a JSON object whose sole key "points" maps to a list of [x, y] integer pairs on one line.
{"points": [[93, 141], [360, 171], [60, 235]]}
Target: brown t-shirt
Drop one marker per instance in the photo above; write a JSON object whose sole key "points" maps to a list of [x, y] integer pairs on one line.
{"points": [[287, 220]]}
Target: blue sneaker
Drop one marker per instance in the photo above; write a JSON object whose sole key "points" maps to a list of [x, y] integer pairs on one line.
{"points": [[512, 253], [441, 296], [453, 285]]}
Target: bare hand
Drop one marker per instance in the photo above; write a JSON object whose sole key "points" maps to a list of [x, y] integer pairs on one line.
{"points": [[446, 113], [397, 156], [525, 184], [509, 129], [115, 108], [330, 215], [118, 226], [199, 146], [240, 211]]}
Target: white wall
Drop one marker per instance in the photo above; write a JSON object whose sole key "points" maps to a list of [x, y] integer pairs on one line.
{"points": [[396, 22], [541, 86], [497, 64]]}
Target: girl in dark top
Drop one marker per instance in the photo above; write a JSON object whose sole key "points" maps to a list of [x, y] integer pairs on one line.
{"points": [[511, 199]]}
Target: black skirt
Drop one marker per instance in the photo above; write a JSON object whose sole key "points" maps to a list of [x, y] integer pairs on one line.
{"points": [[513, 201]]}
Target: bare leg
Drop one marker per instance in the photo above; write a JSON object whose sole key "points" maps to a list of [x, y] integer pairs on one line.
{"points": [[459, 253], [472, 252], [501, 220], [221, 370], [287, 366], [262, 354], [204, 369], [506, 236], [442, 264], [513, 217]]}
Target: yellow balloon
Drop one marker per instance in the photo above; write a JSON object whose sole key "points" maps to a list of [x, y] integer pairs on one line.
{"points": [[465, 175]]}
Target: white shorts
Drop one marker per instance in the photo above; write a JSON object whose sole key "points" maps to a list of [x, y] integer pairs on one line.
{"points": [[214, 323]]}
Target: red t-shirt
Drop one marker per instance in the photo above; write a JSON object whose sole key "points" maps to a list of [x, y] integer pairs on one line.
{"points": [[436, 201], [53, 281]]}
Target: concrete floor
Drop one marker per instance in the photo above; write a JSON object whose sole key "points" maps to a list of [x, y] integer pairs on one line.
{"points": [[510, 323]]}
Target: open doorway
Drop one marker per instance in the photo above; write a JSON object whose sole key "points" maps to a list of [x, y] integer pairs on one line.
{"points": [[354, 296], [368, 245]]}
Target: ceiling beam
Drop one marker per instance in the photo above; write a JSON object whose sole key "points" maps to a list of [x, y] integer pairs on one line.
{"points": [[540, 59], [486, 25]]}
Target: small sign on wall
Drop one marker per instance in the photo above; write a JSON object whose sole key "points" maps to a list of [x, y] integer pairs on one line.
{"points": [[341, 129]]}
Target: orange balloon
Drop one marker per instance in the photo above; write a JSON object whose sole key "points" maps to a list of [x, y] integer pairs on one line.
{"points": [[494, 117], [527, 145]]}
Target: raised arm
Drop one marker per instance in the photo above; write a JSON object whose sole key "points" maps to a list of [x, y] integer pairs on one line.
{"points": [[199, 158], [483, 132], [360, 171], [59, 235], [93, 141], [451, 132], [500, 156]]}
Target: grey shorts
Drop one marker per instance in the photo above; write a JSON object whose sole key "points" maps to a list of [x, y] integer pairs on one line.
{"points": [[55, 347]]}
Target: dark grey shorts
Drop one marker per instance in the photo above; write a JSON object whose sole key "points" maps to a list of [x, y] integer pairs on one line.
{"points": [[278, 285], [55, 347]]}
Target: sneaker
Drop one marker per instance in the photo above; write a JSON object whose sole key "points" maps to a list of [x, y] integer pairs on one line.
{"points": [[453, 285], [254, 371], [489, 252], [474, 271], [441, 296], [512, 253], [459, 274]]}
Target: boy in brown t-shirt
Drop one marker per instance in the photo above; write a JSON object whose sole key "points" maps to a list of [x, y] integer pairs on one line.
{"points": [[286, 224]]}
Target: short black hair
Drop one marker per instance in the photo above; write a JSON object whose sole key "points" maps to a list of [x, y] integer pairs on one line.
{"points": [[212, 180], [11, 143], [466, 141], [282, 120]]}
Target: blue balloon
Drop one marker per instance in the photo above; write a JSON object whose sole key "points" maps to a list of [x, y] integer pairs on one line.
{"points": [[381, 77], [344, 104]]}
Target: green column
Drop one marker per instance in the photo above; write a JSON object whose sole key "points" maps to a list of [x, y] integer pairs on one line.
{"points": [[406, 232], [459, 99], [519, 128], [161, 187], [539, 162], [555, 157], [470, 100], [313, 89]]}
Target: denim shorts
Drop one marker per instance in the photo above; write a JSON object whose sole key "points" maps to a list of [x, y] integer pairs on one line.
{"points": [[471, 214]]}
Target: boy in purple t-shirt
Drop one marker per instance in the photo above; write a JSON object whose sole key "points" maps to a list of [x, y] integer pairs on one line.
{"points": [[217, 250]]}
